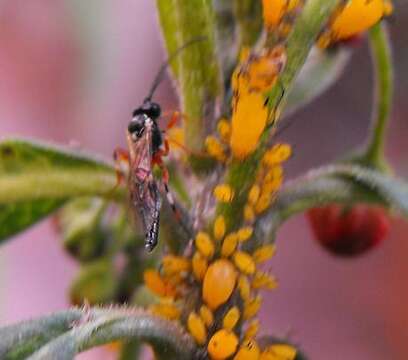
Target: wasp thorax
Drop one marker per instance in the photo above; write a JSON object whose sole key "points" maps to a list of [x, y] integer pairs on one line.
{"points": [[148, 108]]}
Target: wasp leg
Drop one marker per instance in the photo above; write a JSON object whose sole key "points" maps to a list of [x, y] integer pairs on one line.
{"points": [[165, 179], [174, 117], [179, 215], [172, 122], [121, 159]]}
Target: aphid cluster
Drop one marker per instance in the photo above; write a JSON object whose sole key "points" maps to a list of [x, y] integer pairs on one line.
{"points": [[215, 292], [214, 289], [256, 73]]}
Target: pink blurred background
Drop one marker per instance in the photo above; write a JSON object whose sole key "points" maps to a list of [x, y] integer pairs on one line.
{"points": [[72, 71]]}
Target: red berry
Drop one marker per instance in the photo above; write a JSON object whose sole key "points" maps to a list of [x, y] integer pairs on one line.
{"points": [[349, 231]]}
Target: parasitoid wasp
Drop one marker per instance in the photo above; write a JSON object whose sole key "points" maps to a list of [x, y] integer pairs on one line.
{"points": [[146, 147]]}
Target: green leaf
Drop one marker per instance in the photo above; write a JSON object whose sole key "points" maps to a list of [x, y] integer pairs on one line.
{"points": [[20, 340], [391, 190], [63, 335], [321, 70], [96, 283], [31, 171], [37, 178], [21, 215], [342, 183], [80, 224]]}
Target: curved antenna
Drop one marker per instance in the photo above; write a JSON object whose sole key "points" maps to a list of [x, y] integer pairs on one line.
{"points": [[162, 70]]}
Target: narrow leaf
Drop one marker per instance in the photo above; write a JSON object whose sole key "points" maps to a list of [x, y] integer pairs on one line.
{"points": [[36, 179], [320, 72], [342, 183], [101, 326], [21, 215], [63, 335], [20, 340], [31, 171]]}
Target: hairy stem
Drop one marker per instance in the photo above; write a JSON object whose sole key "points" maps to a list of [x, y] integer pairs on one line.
{"points": [[65, 334], [196, 69], [249, 19], [383, 69], [308, 25], [306, 29]]}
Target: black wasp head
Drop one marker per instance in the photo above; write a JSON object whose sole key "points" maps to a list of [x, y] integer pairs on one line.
{"points": [[137, 125], [148, 108]]}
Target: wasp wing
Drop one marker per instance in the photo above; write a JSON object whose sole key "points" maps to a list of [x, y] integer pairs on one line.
{"points": [[143, 189]]}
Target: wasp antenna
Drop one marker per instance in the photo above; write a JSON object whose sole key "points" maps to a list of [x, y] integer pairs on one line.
{"points": [[162, 70]]}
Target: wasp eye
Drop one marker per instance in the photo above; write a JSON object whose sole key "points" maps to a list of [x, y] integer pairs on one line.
{"points": [[136, 126]]}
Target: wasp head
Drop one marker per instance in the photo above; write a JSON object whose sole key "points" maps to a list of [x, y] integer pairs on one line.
{"points": [[149, 111], [149, 108]]}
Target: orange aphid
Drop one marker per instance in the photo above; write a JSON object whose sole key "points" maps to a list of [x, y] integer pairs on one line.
{"points": [[206, 315], [204, 244], [251, 307], [167, 311], [175, 264], [244, 262], [244, 287], [229, 245], [249, 350], [196, 328], [353, 18], [157, 284], [252, 329], [219, 283], [248, 122], [256, 74], [231, 318], [274, 10], [260, 71], [200, 265], [222, 344]]}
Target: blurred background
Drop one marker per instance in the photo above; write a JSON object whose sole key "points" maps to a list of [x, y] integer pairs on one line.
{"points": [[72, 71]]}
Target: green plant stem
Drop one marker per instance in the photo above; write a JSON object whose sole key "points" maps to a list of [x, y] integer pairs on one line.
{"points": [[197, 69], [226, 35], [249, 20], [65, 334], [383, 70], [307, 26]]}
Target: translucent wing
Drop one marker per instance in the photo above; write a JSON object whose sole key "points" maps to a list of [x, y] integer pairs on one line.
{"points": [[143, 189]]}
